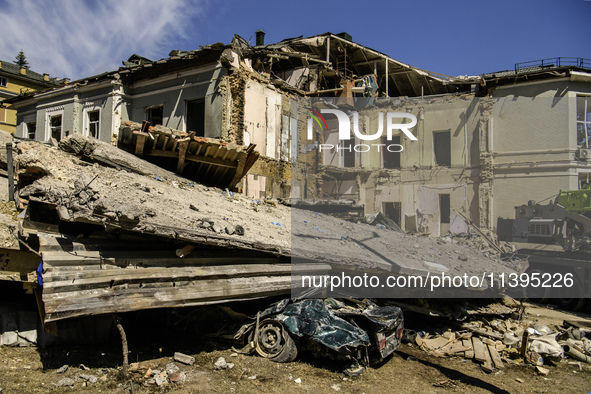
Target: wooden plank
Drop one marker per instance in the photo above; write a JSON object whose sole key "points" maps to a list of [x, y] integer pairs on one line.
{"points": [[487, 365], [18, 260], [469, 354], [496, 359], [200, 159], [481, 332], [241, 160], [139, 144], [107, 278], [157, 259], [480, 351], [181, 157], [121, 300]]}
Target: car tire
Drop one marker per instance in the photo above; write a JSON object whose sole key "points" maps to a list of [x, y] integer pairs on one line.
{"points": [[275, 343]]}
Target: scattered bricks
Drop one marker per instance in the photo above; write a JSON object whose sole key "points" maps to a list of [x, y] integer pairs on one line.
{"points": [[172, 368], [148, 373], [183, 358], [178, 377], [222, 364], [542, 371], [161, 381]]}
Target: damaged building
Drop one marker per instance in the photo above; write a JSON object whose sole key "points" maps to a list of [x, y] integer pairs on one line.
{"points": [[235, 116]]}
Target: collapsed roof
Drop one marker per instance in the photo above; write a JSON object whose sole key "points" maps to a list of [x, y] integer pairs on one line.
{"points": [[288, 64]]}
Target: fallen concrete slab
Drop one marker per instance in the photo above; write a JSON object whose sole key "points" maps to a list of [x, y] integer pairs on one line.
{"points": [[192, 244]]}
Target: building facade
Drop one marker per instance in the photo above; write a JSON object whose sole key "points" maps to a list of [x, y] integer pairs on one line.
{"points": [[483, 144], [14, 81]]}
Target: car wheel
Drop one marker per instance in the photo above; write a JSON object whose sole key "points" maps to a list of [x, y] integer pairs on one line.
{"points": [[275, 343]]}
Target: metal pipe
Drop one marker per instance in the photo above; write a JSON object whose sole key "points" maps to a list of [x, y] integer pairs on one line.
{"points": [[10, 166], [571, 351]]}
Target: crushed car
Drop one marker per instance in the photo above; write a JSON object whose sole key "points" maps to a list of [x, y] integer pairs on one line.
{"points": [[359, 333]]}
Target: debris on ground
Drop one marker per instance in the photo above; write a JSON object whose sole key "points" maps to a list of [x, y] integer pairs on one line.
{"points": [[183, 358], [496, 342]]}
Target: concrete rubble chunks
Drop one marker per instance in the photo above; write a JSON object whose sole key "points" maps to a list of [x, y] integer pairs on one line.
{"points": [[183, 358]]}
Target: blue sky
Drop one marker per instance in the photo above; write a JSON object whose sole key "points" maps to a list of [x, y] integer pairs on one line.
{"points": [[76, 39]]}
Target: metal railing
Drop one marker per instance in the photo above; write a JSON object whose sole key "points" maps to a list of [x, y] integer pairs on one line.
{"points": [[554, 62]]}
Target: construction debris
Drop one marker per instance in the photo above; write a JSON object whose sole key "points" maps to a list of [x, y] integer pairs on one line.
{"points": [[127, 220], [183, 358], [493, 343]]}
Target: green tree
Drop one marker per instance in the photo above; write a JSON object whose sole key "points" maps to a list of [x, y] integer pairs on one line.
{"points": [[21, 60]]}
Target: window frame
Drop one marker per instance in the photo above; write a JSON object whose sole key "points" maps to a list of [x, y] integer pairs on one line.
{"points": [[89, 108], [585, 122], [3, 82], [148, 113], [435, 161], [28, 131], [188, 103], [48, 128]]}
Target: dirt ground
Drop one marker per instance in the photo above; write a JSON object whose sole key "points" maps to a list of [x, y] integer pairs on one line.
{"points": [[33, 370]]}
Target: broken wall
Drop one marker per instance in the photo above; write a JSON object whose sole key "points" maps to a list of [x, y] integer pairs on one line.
{"points": [[420, 183]]}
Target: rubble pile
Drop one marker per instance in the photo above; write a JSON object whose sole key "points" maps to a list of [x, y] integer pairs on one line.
{"points": [[497, 342], [104, 185]]}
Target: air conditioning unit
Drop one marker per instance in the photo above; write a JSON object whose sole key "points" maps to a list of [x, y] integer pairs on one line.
{"points": [[583, 154]]}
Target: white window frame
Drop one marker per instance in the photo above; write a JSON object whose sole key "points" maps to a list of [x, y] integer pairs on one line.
{"points": [[586, 121], [30, 118], [50, 114], [86, 122]]}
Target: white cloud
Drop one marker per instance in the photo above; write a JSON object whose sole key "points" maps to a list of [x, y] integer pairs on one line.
{"points": [[77, 39]]}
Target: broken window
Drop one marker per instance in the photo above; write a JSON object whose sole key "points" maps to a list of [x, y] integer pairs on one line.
{"points": [[93, 123], [55, 124], [155, 115], [196, 117], [348, 152], [585, 180], [444, 209], [31, 130], [390, 159], [393, 211], [442, 148], [584, 121]]}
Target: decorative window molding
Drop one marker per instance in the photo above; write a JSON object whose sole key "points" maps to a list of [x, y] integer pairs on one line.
{"points": [[91, 115], [54, 122]]}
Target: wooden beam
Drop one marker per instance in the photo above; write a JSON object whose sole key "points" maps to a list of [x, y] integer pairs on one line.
{"points": [[182, 154], [18, 261], [139, 144], [200, 159]]}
